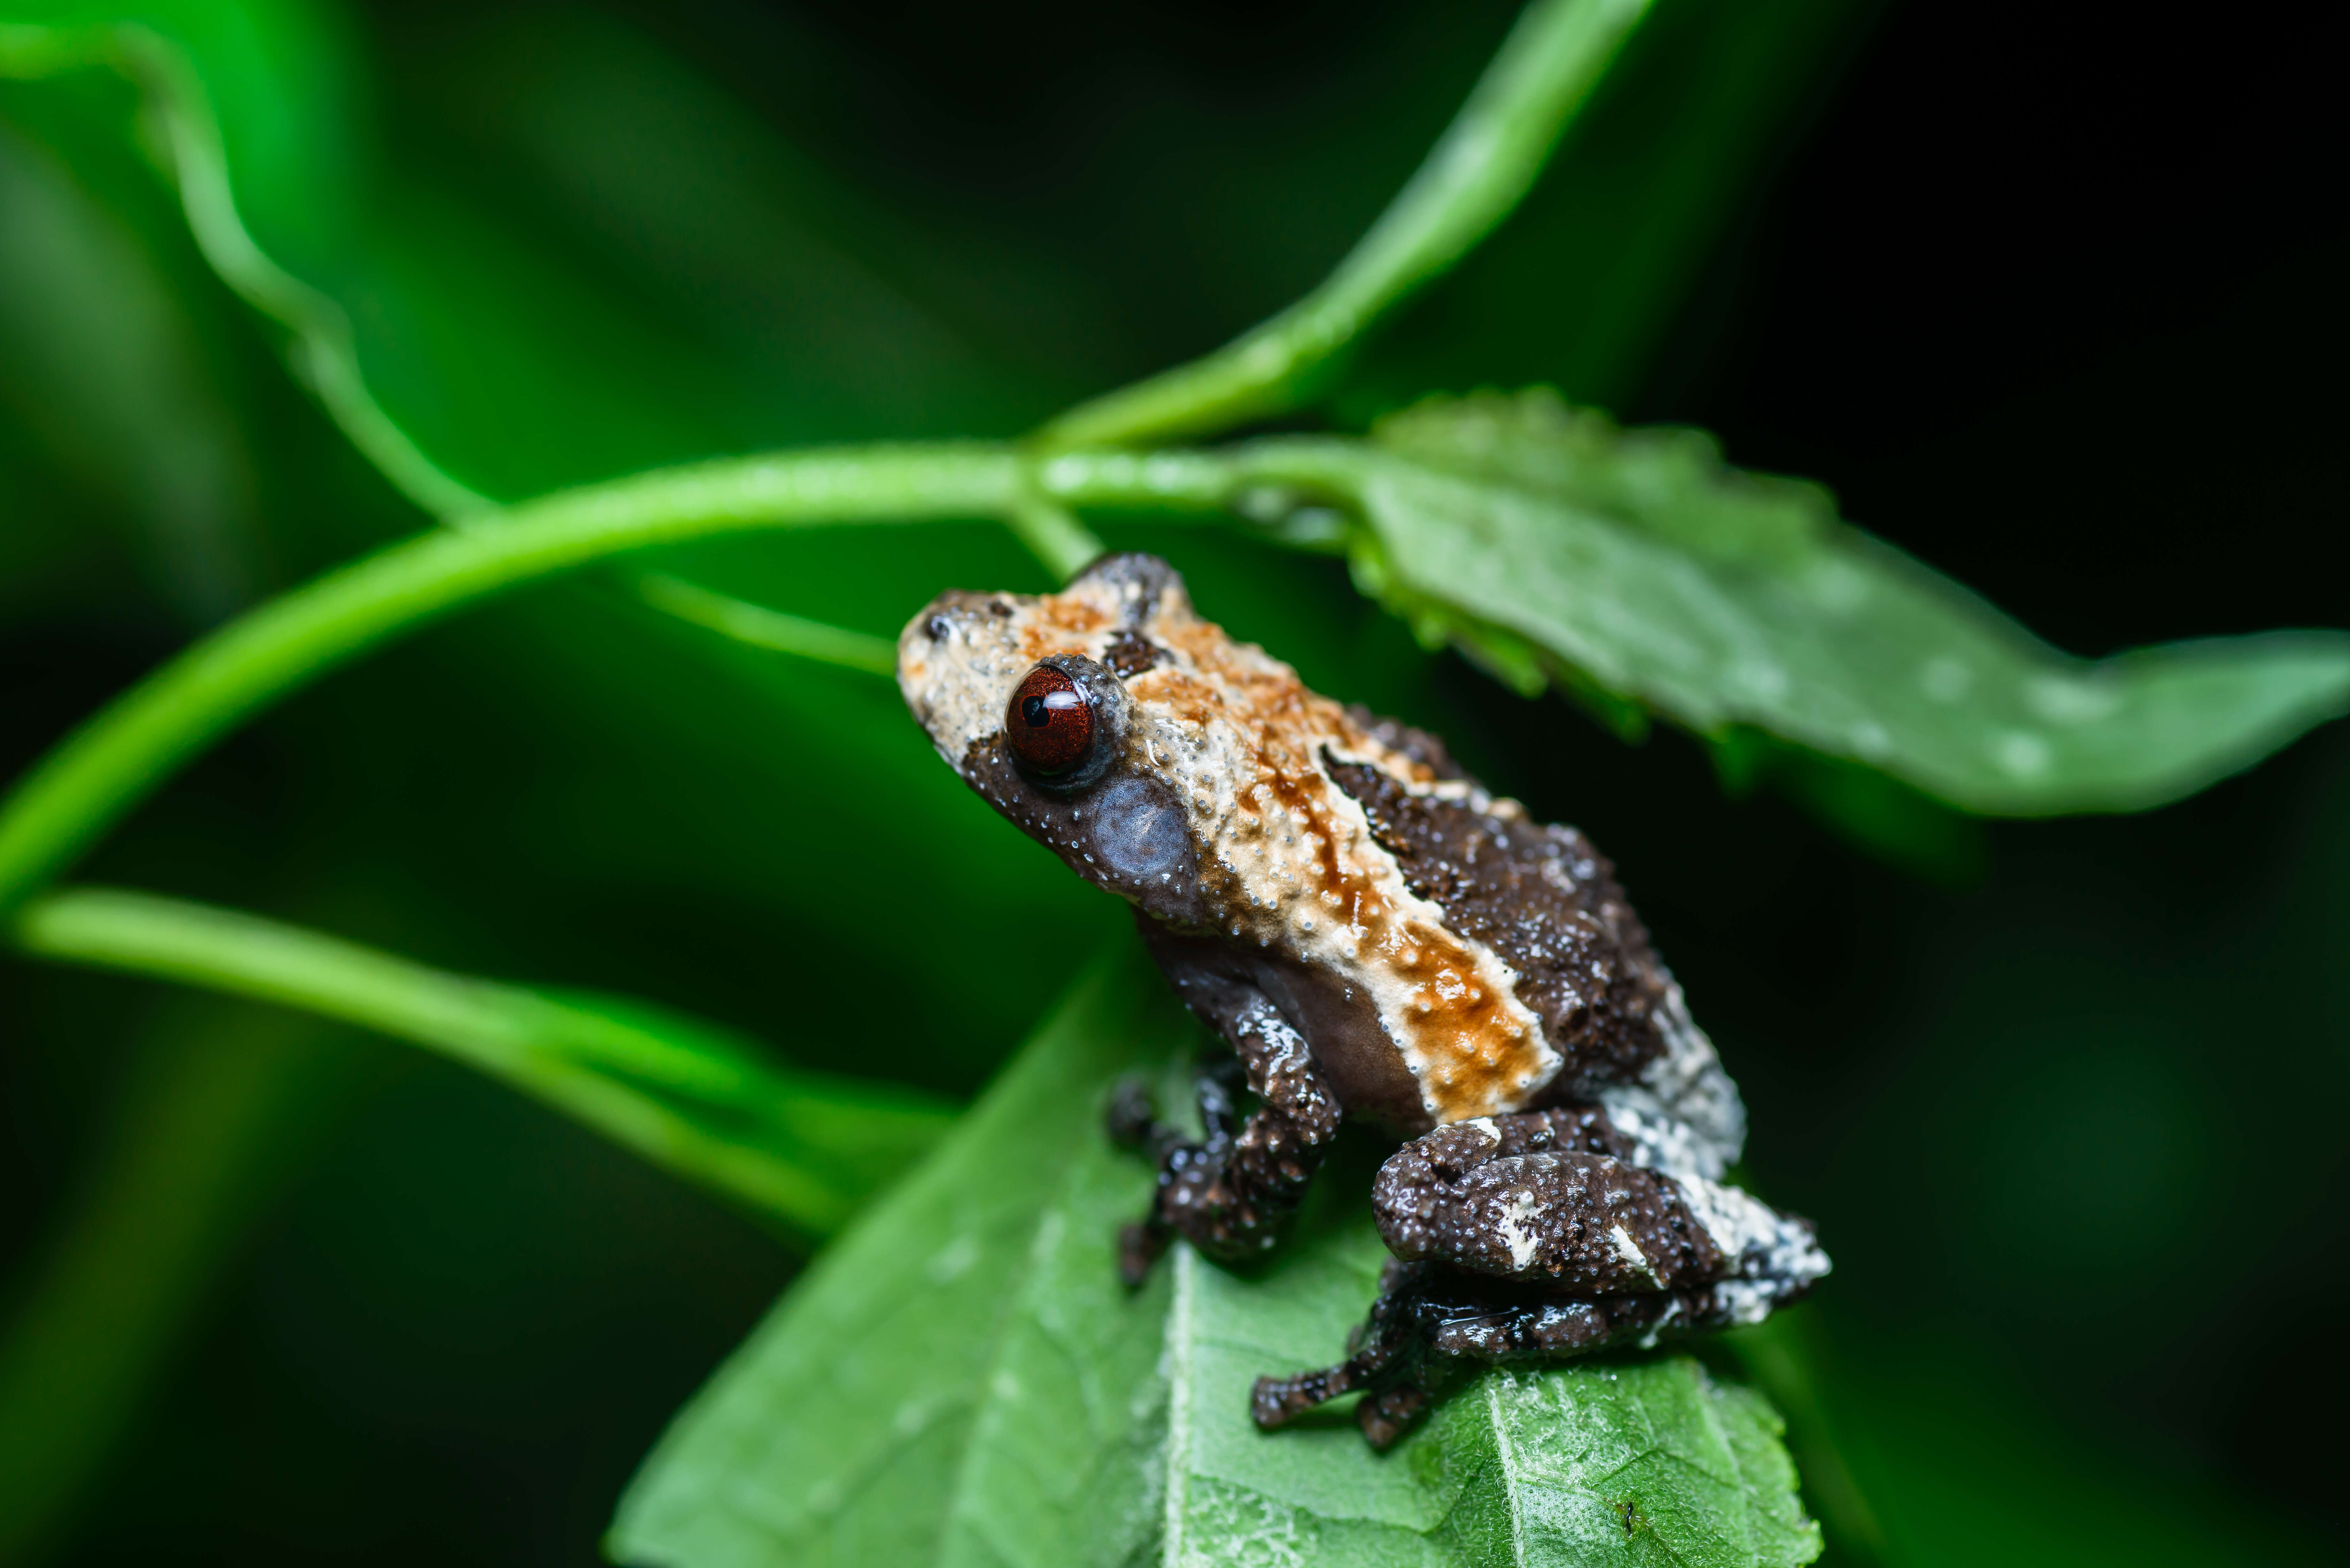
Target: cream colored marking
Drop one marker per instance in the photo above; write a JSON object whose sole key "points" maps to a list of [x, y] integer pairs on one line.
{"points": [[1240, 739], [1523, 1242], [1629, 1251]]}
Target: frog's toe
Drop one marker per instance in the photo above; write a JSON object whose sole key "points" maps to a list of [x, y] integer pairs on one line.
{"points": [[1130, 1116], [1387, 1416], [1277, 1401], [1139, 1247]]}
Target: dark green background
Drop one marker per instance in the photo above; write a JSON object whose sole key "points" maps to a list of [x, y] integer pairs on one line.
{"points": [[2053, 300]]}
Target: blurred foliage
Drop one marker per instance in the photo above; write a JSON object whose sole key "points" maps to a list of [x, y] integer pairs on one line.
{"points": [[802, 1148], [574, 243]]}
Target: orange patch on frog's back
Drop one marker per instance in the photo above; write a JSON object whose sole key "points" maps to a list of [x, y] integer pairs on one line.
{"points": [[1476, 1054], [1477, 1058]]}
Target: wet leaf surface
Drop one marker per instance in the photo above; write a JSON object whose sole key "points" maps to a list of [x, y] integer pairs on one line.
{"points": [[963, 1380], [1538, 537]]}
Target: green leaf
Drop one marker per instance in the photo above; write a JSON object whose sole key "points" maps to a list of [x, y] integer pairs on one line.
{"points": [[1622, 1461], [844, 1429], [961, 1379], [1720, 597]]}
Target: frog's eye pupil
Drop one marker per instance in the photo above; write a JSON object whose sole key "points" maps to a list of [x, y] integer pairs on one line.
{"points": [[1050, 725]]}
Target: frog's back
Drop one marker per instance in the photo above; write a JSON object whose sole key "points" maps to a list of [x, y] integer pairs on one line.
{"points": [[1546, 903], [1497, 958]]}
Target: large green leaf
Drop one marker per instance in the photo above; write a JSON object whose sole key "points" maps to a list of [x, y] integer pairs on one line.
{"points": [[1545, 539], [1634, 1461], [962, 1380]]}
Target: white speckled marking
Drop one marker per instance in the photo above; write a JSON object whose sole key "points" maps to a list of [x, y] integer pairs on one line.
{"points": [[1636, 1260], [1768, 1257], [1522, 1242], [1684, 1115]]}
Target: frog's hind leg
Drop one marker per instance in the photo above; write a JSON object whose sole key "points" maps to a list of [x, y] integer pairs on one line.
{"points": [[1429, 1319], [1525, 1239], [1230, 1193], [1388, 1362]]}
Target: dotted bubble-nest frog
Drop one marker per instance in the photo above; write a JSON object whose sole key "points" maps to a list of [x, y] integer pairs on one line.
{"points": [[1379, 938]]}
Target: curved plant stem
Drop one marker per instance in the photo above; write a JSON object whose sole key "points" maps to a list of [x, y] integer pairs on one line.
{"points": [[757, 625], [100, 772], [716, 1116], [1052, 535], [320, 349], [1486, 160], [113, 761]]}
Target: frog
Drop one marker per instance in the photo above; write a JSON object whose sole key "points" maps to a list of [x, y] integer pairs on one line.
{"points": [[1378, 940]]}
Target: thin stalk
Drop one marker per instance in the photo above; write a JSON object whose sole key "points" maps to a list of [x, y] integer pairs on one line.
{"points": [[121, 755], [757, 625], [1052, 535], [601, 1071], [321, 347], [1263, 478], [1475, 174]]}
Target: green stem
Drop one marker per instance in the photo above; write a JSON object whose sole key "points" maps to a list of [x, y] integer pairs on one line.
{"points": [[1052, 535], [322, 349], [1281, 471], [1484, 163], [129, 749], [117, 759], [757, 625], [603, 1071]]}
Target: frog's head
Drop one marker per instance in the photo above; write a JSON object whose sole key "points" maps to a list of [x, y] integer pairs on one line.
{"points": [[1027, 697]]}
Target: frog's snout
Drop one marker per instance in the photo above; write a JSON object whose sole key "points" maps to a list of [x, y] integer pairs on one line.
{"points": [[957, 659]]}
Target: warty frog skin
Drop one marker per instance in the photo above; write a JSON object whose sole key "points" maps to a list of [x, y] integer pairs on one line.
{"points": [[1378, 937]]}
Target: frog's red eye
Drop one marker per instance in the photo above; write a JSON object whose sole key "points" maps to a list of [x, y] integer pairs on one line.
{"points": [[1050, 723]]}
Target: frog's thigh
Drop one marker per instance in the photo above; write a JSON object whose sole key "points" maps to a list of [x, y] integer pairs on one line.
{"points": [[1497, 1197]]}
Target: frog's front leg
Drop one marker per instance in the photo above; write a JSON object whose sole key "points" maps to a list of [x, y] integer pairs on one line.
{"points": [[1229, 1193], [1528, 1238]]}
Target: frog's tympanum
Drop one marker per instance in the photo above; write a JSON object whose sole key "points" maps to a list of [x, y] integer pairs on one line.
{"points": [[1378, 936]]}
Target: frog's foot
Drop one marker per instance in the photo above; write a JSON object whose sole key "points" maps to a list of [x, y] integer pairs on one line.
{"points": [[1388, 1363], [1230, 1193], [1134, 1124], [1429, 1320]]}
